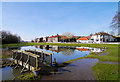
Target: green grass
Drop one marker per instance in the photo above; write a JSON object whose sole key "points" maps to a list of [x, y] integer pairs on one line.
{"points": [[26, 77], [59, 44], [106, 71], [29, 77]]}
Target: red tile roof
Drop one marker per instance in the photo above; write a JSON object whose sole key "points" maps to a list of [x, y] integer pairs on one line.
{"points": [[84, 38], [53, 36], [88, 37]]}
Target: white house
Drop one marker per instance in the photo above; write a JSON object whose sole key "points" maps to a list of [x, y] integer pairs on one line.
{"points": [[102, 37], [55, 38], [85, 39]]}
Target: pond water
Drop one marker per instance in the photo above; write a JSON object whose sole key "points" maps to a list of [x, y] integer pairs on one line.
{"points": [[62, 54], [78, 70]]}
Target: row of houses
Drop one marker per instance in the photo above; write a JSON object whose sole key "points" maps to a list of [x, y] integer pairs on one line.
{"points": [[99, 37], [56, 38]]}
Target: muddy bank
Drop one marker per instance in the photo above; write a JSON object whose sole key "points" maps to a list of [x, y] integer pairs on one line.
{"points": [[78, 70]]}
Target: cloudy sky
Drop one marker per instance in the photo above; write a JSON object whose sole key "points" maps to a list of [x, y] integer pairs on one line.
{"points": [[36, 19]]}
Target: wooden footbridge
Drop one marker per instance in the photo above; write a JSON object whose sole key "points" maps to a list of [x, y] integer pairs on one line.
{"points": [[31, 59]]}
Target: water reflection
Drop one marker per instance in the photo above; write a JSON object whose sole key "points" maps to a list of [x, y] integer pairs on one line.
{"points": [[64, 53], [90, 49], [68, 50]]}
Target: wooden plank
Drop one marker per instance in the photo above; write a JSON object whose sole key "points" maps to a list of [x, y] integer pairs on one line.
{"points": [[48, 53], [27, 53]]}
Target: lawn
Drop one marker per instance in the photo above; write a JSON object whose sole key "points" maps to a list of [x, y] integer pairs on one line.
{"points": [[106, 71], [59, 44]]}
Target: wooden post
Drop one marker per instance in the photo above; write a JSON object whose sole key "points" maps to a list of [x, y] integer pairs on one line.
{"points": [[36, 62], [22, 58], [51, 59], [42, 56], [22, 64]]}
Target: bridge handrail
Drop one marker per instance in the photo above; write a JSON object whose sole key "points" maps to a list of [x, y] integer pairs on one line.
{"points": [[41, 51], [27, 53]]}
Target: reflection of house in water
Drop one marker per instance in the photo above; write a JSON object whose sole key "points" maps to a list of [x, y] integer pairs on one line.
{"points": [[49, 47], [63, 49], [82, 49], [96, 50], [43, 47], [54, 49], [90, 49]]}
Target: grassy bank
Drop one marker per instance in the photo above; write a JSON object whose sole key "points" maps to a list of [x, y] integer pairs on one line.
{"points": [[106, 71], [59, 44]]}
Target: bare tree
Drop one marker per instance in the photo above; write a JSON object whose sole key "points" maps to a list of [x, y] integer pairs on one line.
{"points": [[112, 33], [115, 24], [67, 35]]}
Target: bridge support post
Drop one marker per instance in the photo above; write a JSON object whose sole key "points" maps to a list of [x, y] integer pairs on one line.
{"points": [[36, 62], [51, 59]]}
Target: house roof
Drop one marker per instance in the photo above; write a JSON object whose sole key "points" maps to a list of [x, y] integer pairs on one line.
{"points": [[101, 33], [83, 38], [89, 36], [53, 36]]}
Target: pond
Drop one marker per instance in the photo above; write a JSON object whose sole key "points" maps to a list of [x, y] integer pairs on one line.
{"points": [[62, 54]]}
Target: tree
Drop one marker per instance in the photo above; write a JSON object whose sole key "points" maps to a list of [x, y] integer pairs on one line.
{"points": [[8, 38], [115, 24], [67, 35], [112, 33]]}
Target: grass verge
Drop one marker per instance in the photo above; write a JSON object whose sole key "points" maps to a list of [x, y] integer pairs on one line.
{"points": [[106, 71], [59, 44]]}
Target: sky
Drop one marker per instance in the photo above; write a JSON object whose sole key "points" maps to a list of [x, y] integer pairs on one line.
{"points": [[31, 20]]}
